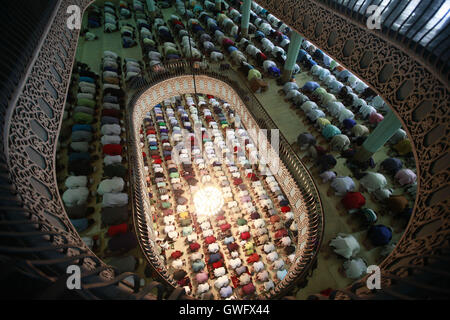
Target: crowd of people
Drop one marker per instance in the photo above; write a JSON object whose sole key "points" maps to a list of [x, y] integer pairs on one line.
{"points": [[247, 248]]}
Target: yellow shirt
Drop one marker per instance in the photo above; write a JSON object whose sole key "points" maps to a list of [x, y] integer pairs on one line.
{"points": [[323, 122], [184, 215]]}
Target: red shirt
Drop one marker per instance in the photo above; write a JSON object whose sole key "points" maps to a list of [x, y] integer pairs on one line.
{"points": [[281, 233], [194, 246], [248, 288], [112, 149], [176, 254], [225, 227], [157, 161], [151, 132], [217, 264], [285, 209], [274, 219], [117, 229], [237, 181], [353, 200], [144, 154], [253, 258], [210, 239], [245, 235]]}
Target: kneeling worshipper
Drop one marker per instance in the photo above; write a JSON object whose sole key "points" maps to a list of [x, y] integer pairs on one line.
{"points": [[82, 224], [355, 268], [372, 181], [340, 142], [379, 235], [368, 215], [397, 204], [310, 86], [326, 162], [403, 148], [353, 200], [329, 131], [405, 177], [342, 185], [123, 242], [391, 165], [345, 245], [305, 140]]}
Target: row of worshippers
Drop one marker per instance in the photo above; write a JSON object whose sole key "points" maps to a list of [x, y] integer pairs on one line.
{"points": [[94, 17], [78, 181], [110, 17], [113, 186]]}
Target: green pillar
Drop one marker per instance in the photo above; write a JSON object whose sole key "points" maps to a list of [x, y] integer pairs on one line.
{"points": [[219, 5], [293, 49], [245, 19], [151, 5], [382, 133]]}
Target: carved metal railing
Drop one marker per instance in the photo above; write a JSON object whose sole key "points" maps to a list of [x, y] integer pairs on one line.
{"points": [[418, 93], [36, 235], [306, 258]]}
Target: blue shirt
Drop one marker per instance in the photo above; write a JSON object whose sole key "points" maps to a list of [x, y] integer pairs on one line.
{"points": [[302, 54], [349, 123], [281, 274], [310, 86], [344, 74], [87, 79], [214, 257], [228, 240], [198, 265], [231, 49], [79, 156], [82, 127], [260, 34]]}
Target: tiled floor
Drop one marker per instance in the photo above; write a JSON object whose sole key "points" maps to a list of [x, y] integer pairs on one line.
{"points": [[291, 124]]}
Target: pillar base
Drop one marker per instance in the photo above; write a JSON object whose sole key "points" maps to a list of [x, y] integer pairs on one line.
{"points": [[286, 76], [362, 155], [244, 33]]}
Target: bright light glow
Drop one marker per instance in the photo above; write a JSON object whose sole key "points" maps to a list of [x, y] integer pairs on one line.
{"points": [[208, 201]]}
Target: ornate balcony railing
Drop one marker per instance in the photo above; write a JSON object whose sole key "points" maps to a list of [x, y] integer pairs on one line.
{"points": [[177, 78], [418, 93], [37, 235]]}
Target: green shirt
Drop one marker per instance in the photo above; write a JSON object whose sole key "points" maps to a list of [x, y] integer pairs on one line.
{"points": [[86, 102], [174, 175], [320, 92], [241, 222], [83, 118], [253, 73], [333, 64], [166, 205]]}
